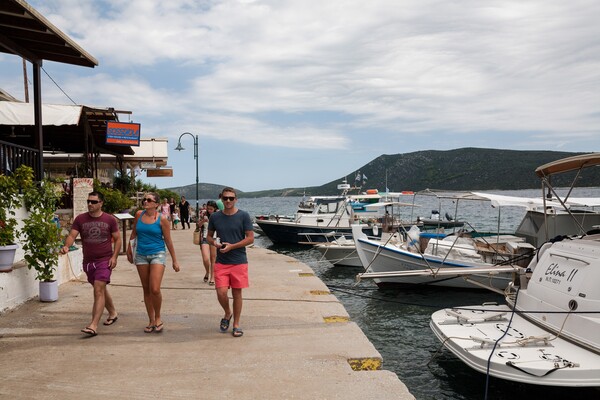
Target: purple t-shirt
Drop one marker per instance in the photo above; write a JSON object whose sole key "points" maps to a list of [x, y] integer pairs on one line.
{"points": [[96, 235]]}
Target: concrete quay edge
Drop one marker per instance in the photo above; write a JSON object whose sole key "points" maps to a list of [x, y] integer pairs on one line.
{"points": [[298, 340]]}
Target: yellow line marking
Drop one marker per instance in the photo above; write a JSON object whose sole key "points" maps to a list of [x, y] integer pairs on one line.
{"points": [[335, 318], [319, 292], [305, 274], [365, 364]]}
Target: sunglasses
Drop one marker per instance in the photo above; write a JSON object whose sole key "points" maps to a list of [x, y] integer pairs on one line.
{"points": [[228, 198], [93, 201], [148, 200]]}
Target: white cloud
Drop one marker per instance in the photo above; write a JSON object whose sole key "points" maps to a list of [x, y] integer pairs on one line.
{"points": [[419, 68]]}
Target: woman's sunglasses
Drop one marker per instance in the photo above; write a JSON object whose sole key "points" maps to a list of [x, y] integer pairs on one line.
{"points": [[148, 200]]}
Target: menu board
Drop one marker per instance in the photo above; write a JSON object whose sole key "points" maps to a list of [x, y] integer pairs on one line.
{"points": [[81, 188]]}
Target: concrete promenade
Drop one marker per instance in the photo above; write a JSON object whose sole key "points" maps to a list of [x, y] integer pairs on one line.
{"points": [[297, 343]]}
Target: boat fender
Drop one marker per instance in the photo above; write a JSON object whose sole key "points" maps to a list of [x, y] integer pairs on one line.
{"points": [[566, 364], [413, 239]]}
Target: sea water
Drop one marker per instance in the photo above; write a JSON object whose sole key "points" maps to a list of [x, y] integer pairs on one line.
{"points": [[397, 321]]}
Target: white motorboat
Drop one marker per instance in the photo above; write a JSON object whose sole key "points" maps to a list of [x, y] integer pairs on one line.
{"points": [[446, 260], [331, 216], [340, 252], [439, 259], [549, 331]]}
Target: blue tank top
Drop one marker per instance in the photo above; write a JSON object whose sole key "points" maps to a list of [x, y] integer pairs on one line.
{"points": [[149, 237]]}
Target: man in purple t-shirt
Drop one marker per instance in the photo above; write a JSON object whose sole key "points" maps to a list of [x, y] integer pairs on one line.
{"points": [[99, 231]]}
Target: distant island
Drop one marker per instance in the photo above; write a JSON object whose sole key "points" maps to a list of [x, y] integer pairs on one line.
{"points": [[459, 169]]}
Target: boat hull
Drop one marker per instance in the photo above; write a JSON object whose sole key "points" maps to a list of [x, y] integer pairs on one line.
{"points": [[517, 357], [340, 255], [295, 233], [377, 259]]}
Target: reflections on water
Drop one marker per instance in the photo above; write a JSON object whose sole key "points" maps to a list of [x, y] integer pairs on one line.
{"points": [[397, 321]]}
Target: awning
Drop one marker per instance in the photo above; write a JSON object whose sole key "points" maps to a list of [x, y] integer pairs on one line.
{"points": [[27, 33], [65, 127], [13, 113], [568, 164]]}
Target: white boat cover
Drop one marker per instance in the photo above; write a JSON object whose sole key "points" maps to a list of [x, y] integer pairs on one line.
{"points": [[12, 113], [529, 203]]}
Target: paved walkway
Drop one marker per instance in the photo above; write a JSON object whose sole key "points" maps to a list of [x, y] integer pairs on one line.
{"points": [[297, 343]]}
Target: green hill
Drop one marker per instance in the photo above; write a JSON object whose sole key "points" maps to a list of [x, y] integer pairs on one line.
{"points": [[459, 169]]}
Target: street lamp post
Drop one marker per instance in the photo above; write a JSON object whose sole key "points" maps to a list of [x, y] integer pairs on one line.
{"points": [[179, 148]]}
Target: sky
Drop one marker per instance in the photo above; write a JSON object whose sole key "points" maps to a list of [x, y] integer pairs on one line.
{"points": [[297, 93]]}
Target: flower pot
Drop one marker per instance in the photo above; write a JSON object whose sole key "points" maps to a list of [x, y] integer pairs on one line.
{"points": [[7, 257], [48, 291]]}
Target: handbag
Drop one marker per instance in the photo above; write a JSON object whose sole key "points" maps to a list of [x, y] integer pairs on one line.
{"points": [[133, 244]]}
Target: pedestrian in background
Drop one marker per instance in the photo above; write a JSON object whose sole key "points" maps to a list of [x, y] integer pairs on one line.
{"points": [[184, 212], [220, 204], [165, 210], [172, 205], [152, 232], [234, 232], [176, 218], [209, 253], [99, 232]]}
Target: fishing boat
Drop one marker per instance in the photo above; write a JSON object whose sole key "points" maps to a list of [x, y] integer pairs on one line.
{"points": [[423, 257], [340, 250], [440, 258], [548, 333], [329, 216]]}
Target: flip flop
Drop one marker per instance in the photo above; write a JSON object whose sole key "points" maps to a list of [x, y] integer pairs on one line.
{"points": [[237, 332], [89, 331], [205, 278], [225, 323], [149, 329], [158, 328], [211, 283], [110, 321]]}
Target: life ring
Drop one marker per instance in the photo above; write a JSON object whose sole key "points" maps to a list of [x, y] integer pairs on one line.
{"points": [[372, 191]]}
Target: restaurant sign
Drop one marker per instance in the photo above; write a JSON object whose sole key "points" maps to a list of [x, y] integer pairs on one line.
{"points": [[122, 133], [159, 172]]}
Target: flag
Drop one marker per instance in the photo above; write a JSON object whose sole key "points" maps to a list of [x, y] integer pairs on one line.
{"points": [[357, 179]]}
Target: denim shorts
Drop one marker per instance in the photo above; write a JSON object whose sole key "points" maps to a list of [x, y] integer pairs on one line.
{"points": [[157, 258]]}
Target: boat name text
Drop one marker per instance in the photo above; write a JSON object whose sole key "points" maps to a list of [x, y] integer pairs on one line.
{"points": [[554, 273]]}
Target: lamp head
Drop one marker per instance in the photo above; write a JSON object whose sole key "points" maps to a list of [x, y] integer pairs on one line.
{"points": [[179, 147]]}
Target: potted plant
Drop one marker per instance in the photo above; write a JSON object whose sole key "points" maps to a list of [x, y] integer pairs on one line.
{"points": [[10, 200], [42, 236]]}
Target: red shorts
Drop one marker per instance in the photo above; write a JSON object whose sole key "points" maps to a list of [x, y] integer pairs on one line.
{"points": [[234, 276]]}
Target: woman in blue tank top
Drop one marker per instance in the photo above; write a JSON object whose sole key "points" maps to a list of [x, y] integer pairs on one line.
{"points": [[152, 233]]}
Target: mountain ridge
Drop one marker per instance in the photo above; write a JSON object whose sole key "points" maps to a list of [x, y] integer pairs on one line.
{"points": [[459, 169]]}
